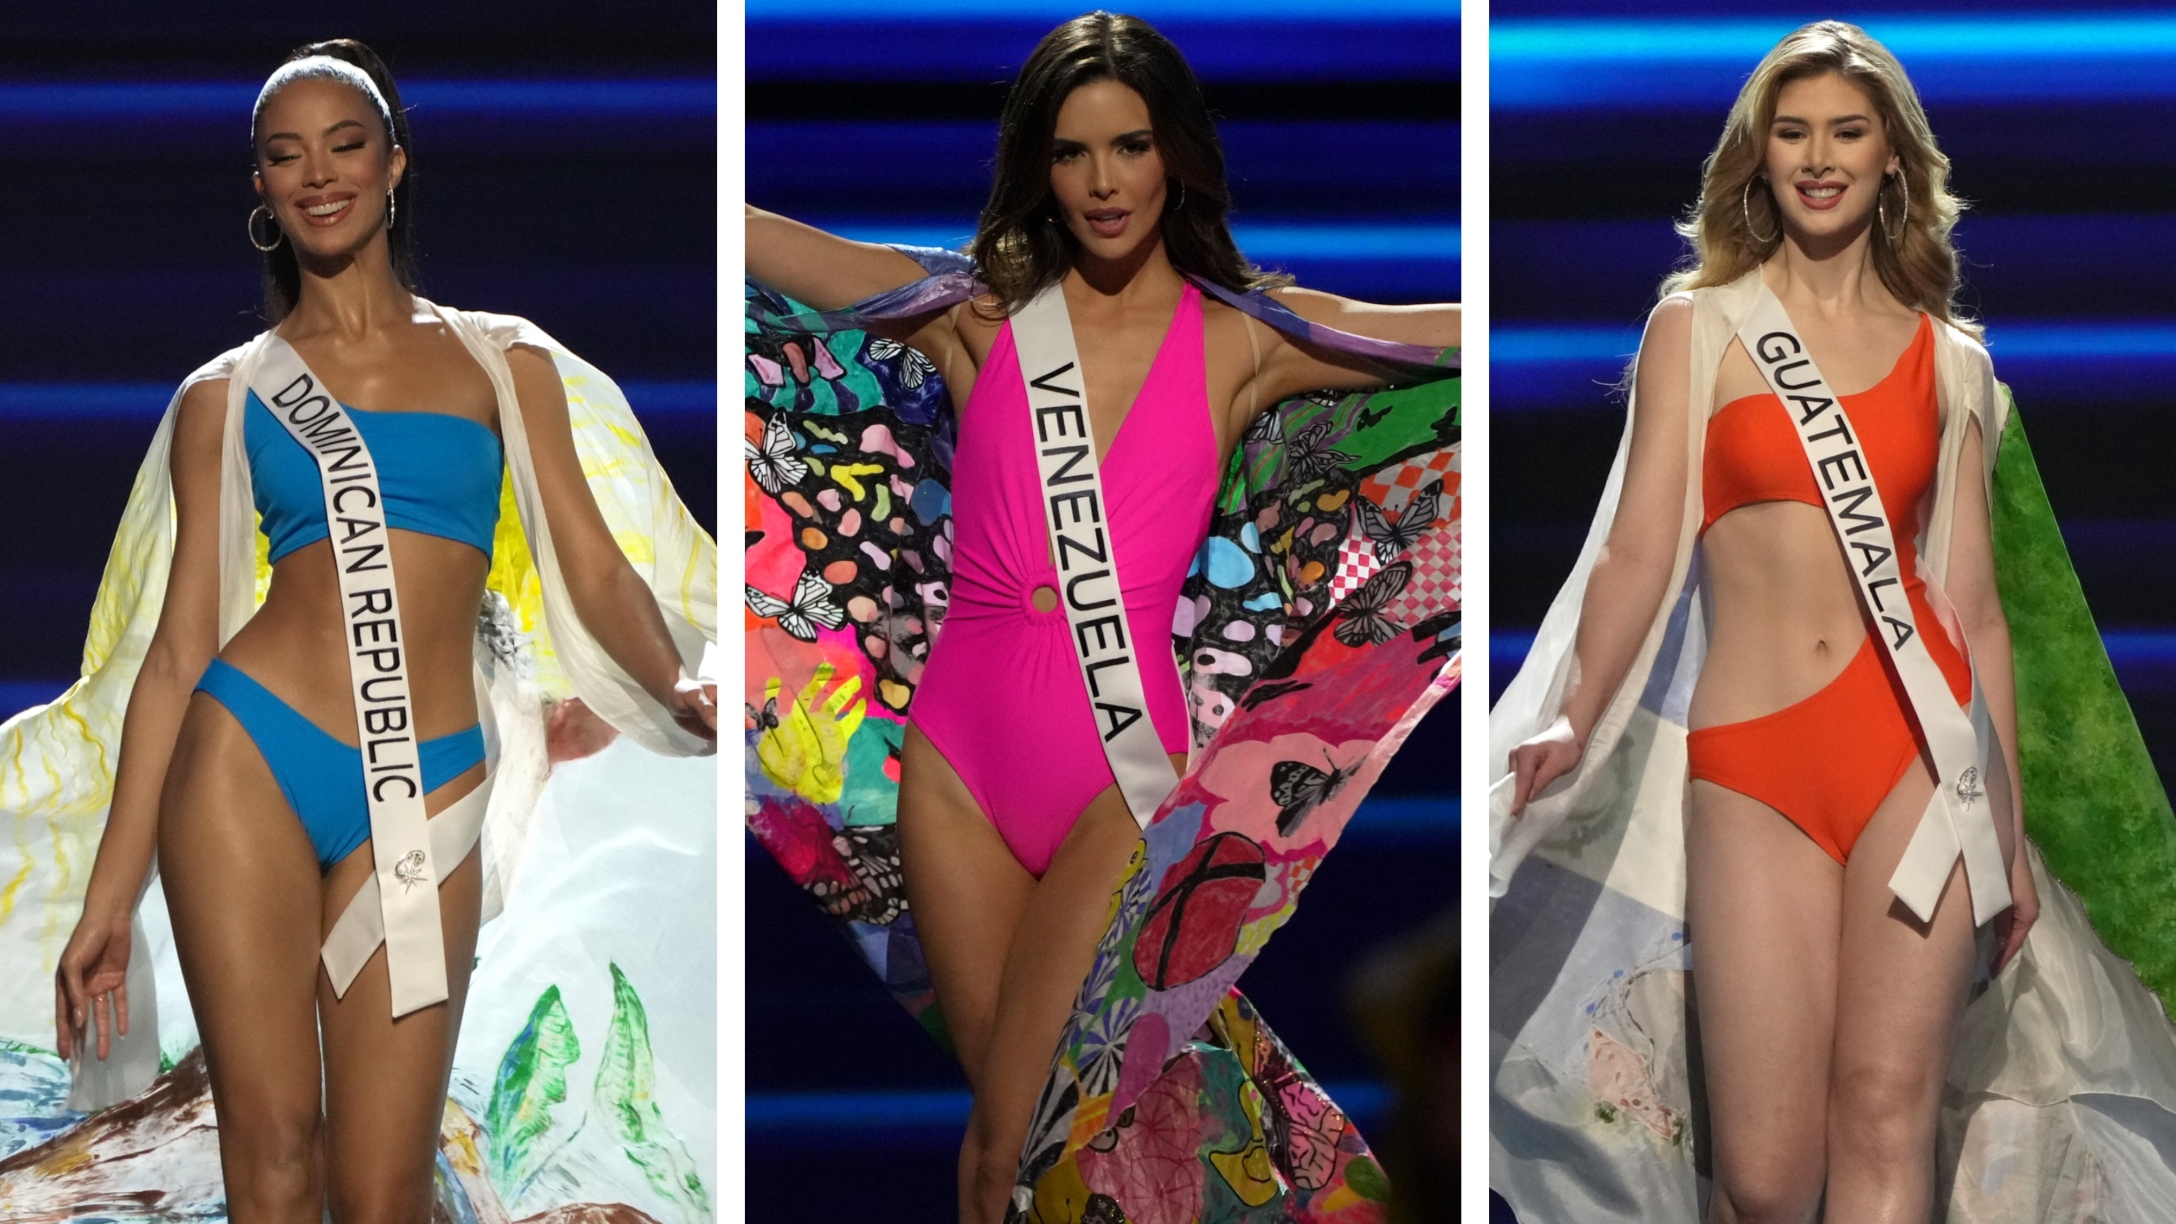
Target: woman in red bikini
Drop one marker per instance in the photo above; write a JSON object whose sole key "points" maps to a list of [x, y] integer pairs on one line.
{"points": [[1827, 1006], [1110, 186]]}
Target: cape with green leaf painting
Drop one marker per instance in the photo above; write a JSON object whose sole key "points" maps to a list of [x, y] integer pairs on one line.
{"points": [[1319, 624]]}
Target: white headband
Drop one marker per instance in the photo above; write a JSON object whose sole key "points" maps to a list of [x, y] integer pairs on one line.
{"points": [[321, 67]]}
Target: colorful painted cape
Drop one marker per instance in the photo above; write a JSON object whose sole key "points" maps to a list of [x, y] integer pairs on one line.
{"points": [[1319, 624]]}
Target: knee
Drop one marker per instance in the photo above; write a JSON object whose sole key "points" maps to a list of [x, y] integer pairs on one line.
{"points": [[1775, 1195], [1882, 1116], [992, 1163], [380, 1199], [1780, 1183], [271, 1162]]}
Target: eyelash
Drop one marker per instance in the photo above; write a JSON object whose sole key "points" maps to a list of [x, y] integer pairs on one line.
{"points": [[1136, 148], [277, 158]]}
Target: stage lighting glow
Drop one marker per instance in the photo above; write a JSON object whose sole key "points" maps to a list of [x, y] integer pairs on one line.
{"points": [[1692, 61], [1169, 10], [692, 97], [1265, 243]]}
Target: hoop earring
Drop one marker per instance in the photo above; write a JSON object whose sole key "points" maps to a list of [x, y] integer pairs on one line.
{"points": [[278, 235], [1904, 222], [1745, 208], [392, 207], [1182, 197]]}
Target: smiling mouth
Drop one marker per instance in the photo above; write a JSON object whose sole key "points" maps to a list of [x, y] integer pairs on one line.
{"points": [[1820, 195], [327, 212]]}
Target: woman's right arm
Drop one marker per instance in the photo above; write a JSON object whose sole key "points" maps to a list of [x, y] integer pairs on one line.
{"points": [[93, 968], [827, 272], [1632, 574], [820, 269]]}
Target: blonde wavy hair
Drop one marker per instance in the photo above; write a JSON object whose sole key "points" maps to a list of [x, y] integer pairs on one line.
{"points": [[1918, 265]]}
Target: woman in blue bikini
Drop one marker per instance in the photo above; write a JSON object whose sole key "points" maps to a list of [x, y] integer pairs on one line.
{"points": [[243, 761]]}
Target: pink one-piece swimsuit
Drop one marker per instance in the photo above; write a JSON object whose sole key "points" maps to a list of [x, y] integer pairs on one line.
{"points": [[1002, 697]]}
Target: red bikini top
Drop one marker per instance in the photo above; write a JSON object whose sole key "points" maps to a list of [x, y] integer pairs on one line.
{"points": [[1753, 454]]}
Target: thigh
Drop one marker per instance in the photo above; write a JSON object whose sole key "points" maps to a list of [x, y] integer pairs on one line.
{"points": [[385, 1079], [1050, 958], [241, 885], [1901, 983], [965, 890], [1762, 908]]}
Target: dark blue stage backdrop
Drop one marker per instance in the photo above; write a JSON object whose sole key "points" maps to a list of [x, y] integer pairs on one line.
{"points": [[2062, 131], [1340, 124], [564, 169]]}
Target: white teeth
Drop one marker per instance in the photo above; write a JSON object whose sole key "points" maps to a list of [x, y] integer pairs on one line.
{"points": [[326, 210], [1823, 193]]}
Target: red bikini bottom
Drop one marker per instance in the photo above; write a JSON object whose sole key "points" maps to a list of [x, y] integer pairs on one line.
{"points": [[1827, 762]]}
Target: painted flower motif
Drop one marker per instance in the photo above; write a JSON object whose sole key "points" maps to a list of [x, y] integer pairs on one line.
{"points": [[1619, 1079]]}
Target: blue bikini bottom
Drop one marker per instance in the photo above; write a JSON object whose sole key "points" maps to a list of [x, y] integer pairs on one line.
{"points": [[322, 777]]}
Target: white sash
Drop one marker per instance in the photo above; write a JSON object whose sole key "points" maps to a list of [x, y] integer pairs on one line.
{"points": [[1957, 818], [407, 869], [1086, 556]]}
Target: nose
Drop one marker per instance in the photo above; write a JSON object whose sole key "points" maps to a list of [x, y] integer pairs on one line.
{"points": [[317, 169], [1818, 149], [1102, 184]]}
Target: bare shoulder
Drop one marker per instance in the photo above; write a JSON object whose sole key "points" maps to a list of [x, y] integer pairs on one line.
{"points": [[204, 399], [1669, 325]]}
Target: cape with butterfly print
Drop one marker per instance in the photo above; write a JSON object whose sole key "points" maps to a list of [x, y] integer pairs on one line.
{"points": [[1318, 626]]}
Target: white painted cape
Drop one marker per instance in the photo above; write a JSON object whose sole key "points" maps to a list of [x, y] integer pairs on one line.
{"points": [[56, 761], [2061, 1099]]}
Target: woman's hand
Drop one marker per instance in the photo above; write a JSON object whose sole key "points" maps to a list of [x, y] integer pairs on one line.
{"points": [[92, 982], [694, 706], [1543, 759], [2014, 922]]}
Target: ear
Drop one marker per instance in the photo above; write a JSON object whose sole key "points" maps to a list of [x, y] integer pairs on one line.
{"points": [[397, 166], [256, 180], [1896, 164]]}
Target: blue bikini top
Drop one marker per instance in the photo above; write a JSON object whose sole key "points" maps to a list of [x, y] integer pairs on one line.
{"points": [[439, 474]]}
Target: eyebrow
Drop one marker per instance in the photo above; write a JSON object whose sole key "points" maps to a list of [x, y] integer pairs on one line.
{"points": [[1121, 138], [328, 131], [1833, 122]]}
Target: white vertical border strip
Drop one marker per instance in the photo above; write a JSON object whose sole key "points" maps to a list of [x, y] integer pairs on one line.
{"points": [[1473, 910], [731, 1192]]}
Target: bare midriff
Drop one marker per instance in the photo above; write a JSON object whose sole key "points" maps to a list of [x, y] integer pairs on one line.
{"points": [[1785, 616], [294, 645]]}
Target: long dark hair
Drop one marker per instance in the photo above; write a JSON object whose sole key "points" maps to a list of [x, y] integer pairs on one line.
{"points": [[282, 276], [1021, 245]]}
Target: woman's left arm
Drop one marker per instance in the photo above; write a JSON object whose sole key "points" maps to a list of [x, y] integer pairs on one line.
{"points": [[1972, 592], [615, 604], [1290, 366]]}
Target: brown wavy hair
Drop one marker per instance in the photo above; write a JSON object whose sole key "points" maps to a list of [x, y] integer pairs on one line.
{"points": [[282, 275], [1021, 244], [1918, 265]]}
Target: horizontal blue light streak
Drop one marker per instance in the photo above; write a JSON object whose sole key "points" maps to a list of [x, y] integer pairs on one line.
{"points": [[1545, 368], [883, 44], [1268, 243], [108, 401], [19, 695], [1561, 64], [686, 97], [1154, 11], [906, 1113]]}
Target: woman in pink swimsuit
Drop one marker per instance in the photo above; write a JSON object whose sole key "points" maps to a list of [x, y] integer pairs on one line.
{"points": [[1110, 183]]}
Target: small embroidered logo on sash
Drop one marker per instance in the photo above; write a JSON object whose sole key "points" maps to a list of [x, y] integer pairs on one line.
{"points": [[409, 870]]}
